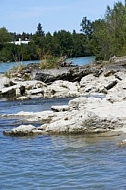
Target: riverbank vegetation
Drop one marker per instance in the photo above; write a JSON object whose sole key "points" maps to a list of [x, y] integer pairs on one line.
{"points": [[103, 38]]}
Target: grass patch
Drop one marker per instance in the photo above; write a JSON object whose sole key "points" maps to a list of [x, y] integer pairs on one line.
{"points": [[49, 62], [14, 70], [17, 68]]}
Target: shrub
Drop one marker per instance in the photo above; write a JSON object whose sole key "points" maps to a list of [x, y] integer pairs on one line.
{"points": [[49, 62]]}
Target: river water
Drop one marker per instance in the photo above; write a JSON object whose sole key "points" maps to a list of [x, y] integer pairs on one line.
{"points": [[57, 162], [4, 67], [72, 162]]}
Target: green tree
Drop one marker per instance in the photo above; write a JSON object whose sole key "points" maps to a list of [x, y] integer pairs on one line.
{"points": [[49, 44], [87, 28], [100, 42], [64, 41], [5, 36], [79, 45], [40, 31], [116, 24], [109, 34]]}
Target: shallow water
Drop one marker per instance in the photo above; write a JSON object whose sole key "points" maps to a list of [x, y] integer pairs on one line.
{"points": [[57, 162]]}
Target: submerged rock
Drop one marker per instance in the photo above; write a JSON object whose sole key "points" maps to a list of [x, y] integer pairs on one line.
{"points": [[122, 143]]}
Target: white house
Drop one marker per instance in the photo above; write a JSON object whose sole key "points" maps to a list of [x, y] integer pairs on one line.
{"points": [[19, 42]]}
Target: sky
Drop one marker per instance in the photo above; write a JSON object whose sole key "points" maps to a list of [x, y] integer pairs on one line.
{"points": [[54, 15]]}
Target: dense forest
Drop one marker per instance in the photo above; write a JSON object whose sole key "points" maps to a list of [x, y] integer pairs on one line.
{"points": [[103, 38]]}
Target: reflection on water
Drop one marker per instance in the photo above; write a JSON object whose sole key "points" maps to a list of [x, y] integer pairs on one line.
{"points": [[81, 141]]}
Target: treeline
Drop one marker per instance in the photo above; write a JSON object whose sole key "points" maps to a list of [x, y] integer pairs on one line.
{"points": [[108, 35], [103, 38], [61, 43]]}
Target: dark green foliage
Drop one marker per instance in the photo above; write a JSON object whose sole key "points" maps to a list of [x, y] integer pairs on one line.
{"points": [[61, 43], [41, 46], [63, 40], [80, 45], [39, 31], [87, 28], [5, 36], [107, 36]]}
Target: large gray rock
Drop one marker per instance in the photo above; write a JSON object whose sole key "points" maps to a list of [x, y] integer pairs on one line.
{"points": [[19, 89], [4, 81], [9, 92], [101, 84], [118, 93], [83, 115], [62, 89]]}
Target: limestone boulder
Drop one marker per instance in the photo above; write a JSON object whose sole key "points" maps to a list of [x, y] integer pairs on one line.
{"points": [[79, 123], [118, 93], [83, 115], [102, 84], [120, 75], [4, 81], [20, 89], [23, 130], [62, 89], [9, 92]]}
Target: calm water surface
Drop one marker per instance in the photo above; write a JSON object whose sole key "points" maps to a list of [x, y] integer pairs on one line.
{"points": [[81, 60], [57, 162], [4, 67]]}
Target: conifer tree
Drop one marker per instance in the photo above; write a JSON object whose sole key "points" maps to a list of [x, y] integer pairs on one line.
{"points": [[40, 31]]}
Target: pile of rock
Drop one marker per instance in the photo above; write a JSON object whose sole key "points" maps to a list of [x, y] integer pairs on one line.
{"points": [[99, 106], [83, 80]]}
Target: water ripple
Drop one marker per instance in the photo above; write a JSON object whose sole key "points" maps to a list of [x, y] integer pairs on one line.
{"points": [[59, 162]]}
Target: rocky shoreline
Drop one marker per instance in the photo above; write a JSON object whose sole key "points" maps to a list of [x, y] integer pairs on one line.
{"points": [[98, 104]]}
